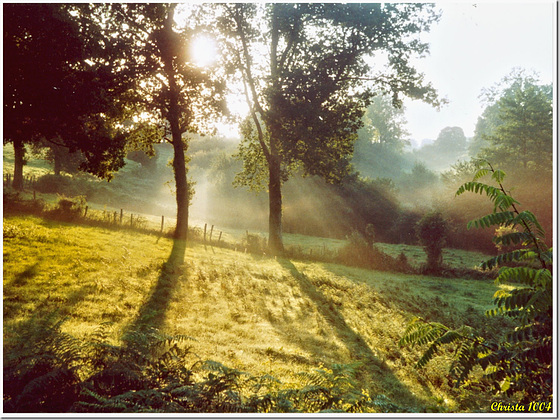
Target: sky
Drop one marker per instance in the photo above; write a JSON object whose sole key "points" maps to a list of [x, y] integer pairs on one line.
{"points": [[474, 46]]}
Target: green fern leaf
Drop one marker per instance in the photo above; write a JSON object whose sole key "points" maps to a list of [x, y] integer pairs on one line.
{"points": [[498, 175], [480, 174], [502, 218]]}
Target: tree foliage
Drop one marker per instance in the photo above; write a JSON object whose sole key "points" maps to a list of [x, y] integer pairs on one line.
{"points": [[517, 124], [380, 142], [307, 81], [63, 85], [173, 95], [519, 362]]}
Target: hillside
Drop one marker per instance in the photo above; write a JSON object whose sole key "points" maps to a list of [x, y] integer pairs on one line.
{"points": [[257, 314]]}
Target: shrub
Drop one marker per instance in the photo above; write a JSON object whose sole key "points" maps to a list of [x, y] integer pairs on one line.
{"points": [[431, 231], [254, 244], [359, 253], [69, 208], [13, 202]]}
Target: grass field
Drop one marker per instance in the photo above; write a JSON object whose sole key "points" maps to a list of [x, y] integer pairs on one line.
{"points": [[255, 313]]}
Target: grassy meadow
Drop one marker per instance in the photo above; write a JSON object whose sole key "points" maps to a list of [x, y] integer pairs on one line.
{"points": [[254, 313]]}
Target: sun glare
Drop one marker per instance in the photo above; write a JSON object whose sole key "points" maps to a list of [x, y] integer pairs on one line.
{"points": [[203, 51]]}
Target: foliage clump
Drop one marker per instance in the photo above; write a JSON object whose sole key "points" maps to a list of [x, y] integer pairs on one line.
{"points": [[431, 231], [517, 364], [359, 252], [152, 372], [69, 208]]}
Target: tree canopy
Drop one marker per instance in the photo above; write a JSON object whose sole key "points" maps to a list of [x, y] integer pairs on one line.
{"points": [[60, 85], [378, 150], [308, 77], [517, 123]]}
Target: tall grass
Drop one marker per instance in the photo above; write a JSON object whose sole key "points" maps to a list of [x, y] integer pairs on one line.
{"points": [[253, 313]]}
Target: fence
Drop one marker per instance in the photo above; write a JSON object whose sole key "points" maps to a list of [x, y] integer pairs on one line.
{"points": [[29, 181], [124, 219]]}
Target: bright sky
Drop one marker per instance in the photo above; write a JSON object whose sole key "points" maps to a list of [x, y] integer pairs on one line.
{"points": [[473, 47]]}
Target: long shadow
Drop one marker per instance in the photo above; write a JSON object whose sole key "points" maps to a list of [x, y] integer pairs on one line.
{"points": [[152, 312], [373, 368]]}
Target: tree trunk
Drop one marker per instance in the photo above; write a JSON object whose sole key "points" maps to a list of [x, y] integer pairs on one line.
{"points": [[19, 161], [180, 170], [166, 45], [57, 160], [275, 242]]}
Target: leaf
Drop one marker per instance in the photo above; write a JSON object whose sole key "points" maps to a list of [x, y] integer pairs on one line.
{"points": [[503, 218], [480, 174], [525, 275], [517, 255], [498, 175]]}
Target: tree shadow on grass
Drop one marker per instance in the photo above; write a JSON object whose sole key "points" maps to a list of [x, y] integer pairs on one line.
{"points": [[152, 313], [21, 278], [373, 369]]}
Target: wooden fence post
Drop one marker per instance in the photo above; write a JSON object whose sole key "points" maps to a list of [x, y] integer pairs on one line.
{"points": [[85, 212], [162, 219], [205, 232], [130, 219], [120, 220], [219, 237], [211, 230]]}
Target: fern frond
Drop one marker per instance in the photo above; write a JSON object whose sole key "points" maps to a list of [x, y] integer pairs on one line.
{"points": [[498, 175], [508, 257], [479, 188], [481, 173], [525, 275], [514, 238], [531, 221], [504, 218], [420, 332], [503, 201]]}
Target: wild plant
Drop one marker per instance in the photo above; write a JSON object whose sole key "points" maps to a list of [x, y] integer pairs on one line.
{"points": [[520, 361], [157, 373]]}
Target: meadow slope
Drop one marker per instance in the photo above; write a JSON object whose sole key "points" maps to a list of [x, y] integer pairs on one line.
{"points": [[254, 313]]}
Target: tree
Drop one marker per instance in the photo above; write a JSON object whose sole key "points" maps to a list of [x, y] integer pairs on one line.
{"points": [[307, 81], [517, 123], [62, 87], [452, 140], [381, 140], [177, 95]]}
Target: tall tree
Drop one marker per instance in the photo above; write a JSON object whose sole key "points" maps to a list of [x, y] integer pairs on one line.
{"points": [[381, 140], [517, 124], [174, 96], [307, 79], [56, 91], [452, 140]]}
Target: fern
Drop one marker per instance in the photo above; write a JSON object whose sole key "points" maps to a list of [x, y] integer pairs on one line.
{"points": [[521, 360]]}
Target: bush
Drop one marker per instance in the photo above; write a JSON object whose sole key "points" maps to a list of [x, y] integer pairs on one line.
{"points": [[357, 252], [69, 208], [14, 203], [431, 231], [254, 244]]}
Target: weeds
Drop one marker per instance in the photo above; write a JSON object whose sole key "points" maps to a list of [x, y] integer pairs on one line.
{"points": [[154, 372]]}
